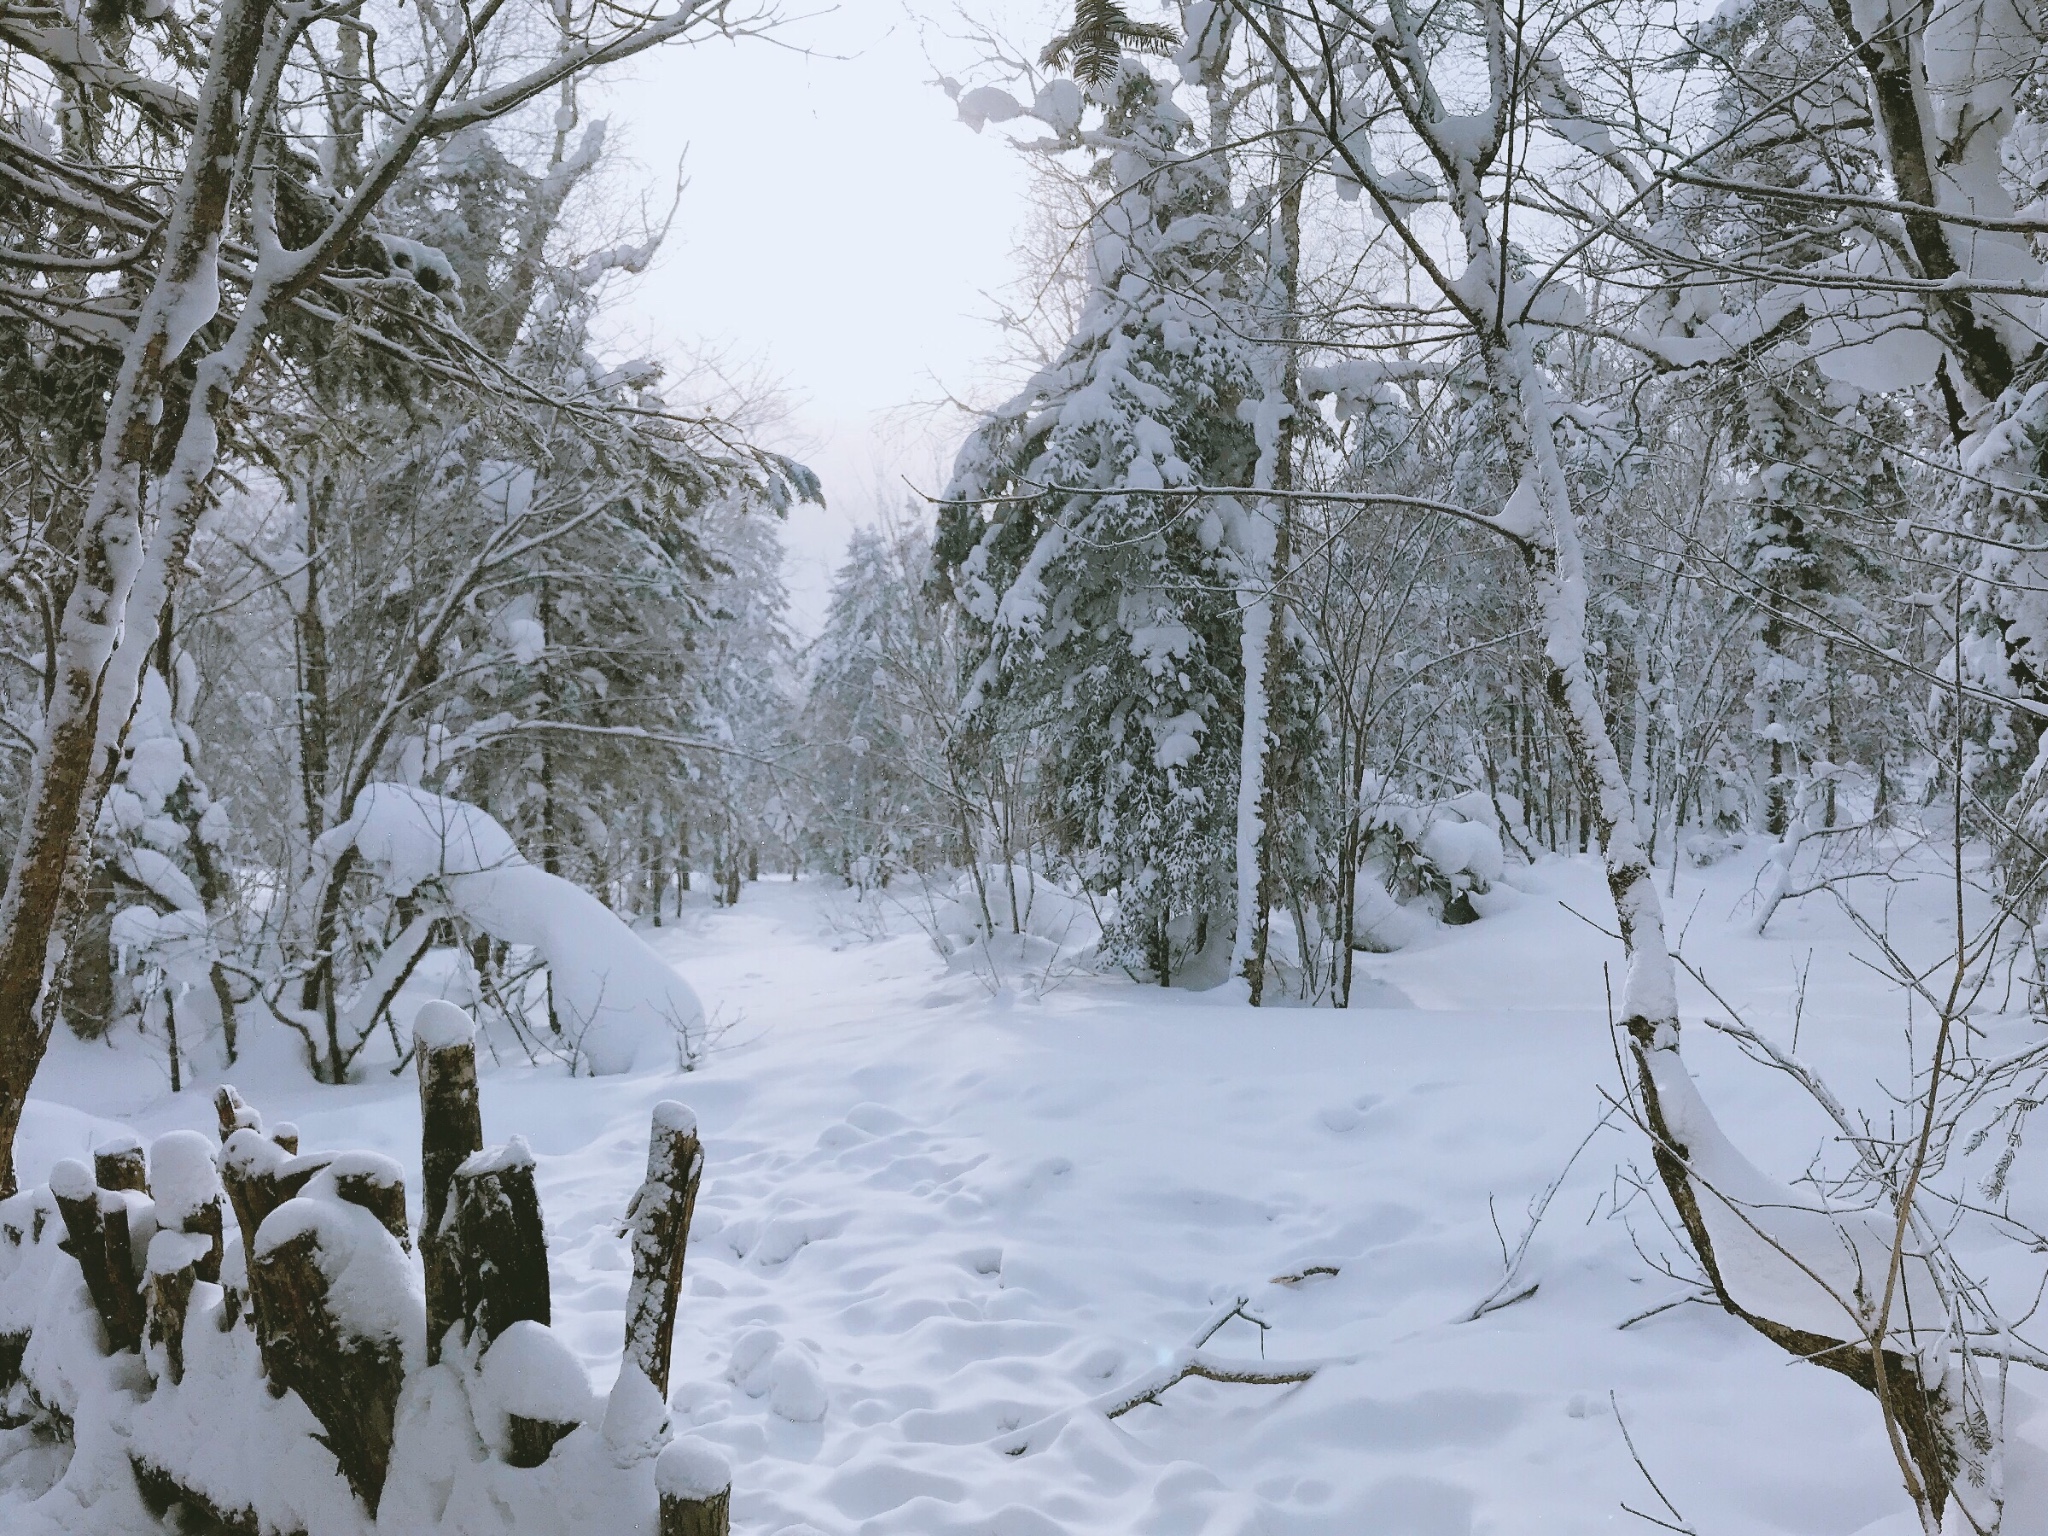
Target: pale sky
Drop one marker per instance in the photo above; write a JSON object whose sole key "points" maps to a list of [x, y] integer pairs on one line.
{"points": [[841, 233]]}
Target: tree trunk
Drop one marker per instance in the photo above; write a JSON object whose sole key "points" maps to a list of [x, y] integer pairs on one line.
{"points": [[658, 1223], [60, 802]]}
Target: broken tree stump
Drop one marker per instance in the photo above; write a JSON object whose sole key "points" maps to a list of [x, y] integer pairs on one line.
{"points": [[119, 1164], [501, 1246], [96, 1235], [694, 1481], [234, 1115], [658, 1223], [451, 1128], [260, 1176], [350, 1383]]}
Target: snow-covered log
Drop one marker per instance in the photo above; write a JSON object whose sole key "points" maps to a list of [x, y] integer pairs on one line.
{"points": [[619, 1005]]}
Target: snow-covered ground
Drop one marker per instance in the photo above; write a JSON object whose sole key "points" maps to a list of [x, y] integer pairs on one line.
{"points": [[940, 1219]]}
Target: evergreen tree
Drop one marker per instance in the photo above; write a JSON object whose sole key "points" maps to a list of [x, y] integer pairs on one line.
{"points": [[1101, 601]]}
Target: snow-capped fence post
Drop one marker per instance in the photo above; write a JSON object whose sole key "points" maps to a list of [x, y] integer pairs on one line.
{"points": [[658, 1222], [119, 1164], [451, 1128], [96, 1235], [376, 1184], [695, 1484], [330, 1291], [501, 1246], [187, 1190]]}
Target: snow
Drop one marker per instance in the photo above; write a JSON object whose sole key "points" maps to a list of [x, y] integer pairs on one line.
{"points": [[530, 1372], [440, 1024], [936, 1220], [373, 1287], [71, 1180], [692, 1469], [182, 1176]]}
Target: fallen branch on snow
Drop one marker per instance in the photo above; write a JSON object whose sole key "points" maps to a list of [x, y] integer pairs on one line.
{"points": [[1193, 1359]]}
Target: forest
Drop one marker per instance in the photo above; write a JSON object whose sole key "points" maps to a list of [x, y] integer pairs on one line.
{"points": [[1483, 651]]}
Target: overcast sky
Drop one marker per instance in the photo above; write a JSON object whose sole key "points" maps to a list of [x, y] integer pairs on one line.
{"points": [[841, 232]]}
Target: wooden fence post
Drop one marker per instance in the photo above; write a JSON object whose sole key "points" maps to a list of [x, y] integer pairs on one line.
{"points": [[234, 1115], [658, 1223], [694, 1481], [188, 1194], [451, 1128], [377, 1184], [173, 1267]]}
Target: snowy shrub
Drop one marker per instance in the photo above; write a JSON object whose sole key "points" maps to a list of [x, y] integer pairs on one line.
{"points": [[999, 920], [1430, 856]]}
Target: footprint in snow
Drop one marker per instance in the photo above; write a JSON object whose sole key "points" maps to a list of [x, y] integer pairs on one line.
{"points": [[1348, 1117]]}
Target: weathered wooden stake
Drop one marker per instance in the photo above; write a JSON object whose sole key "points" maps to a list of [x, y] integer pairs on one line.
{"points": [[658, 1222], [451, 1128], [350, 1384], [119, 1164], [500, 1242], [205, 1223], [694, 1481], [259, 1176], [97, 1236]]}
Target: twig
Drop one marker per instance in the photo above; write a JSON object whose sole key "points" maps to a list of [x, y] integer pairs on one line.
{"points": [[1635, 1455], [1511, 1263]]}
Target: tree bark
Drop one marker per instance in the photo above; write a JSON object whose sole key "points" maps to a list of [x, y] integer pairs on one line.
{"points": [[96, 1235], [120, 1165]]}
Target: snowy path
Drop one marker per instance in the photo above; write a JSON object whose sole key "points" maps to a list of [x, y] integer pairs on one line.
{"points": [[930, 1217]]}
